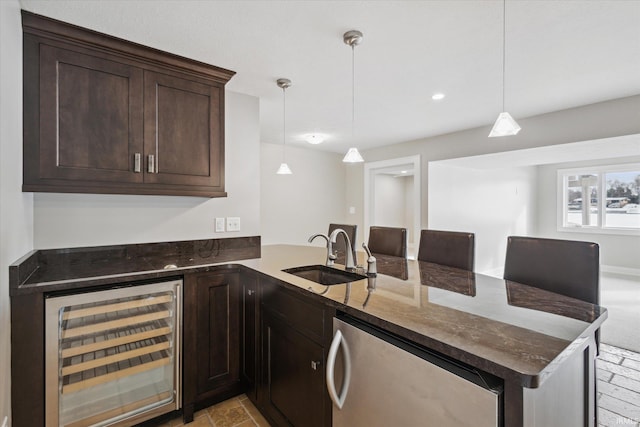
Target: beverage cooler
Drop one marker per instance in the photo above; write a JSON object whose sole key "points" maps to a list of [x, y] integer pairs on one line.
{"points": [[113, 356]]}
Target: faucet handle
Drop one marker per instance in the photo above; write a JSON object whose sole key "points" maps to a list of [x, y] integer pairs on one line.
{"points": [[366, 249], [372, 269]]}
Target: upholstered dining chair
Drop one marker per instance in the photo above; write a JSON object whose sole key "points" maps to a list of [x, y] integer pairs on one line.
{"points": [[566, 267], [388, 241], [339, 246], [450, 248]]}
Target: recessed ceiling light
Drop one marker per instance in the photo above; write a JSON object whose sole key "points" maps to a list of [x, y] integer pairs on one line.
{"points": [[403, 171], [437, 96], [314, 138]]}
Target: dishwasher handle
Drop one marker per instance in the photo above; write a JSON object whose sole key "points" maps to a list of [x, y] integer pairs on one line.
{"points": [[338, 340]]}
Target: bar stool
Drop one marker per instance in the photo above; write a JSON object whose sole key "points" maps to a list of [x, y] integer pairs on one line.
{"points": [[388, 241], [451, 248]]}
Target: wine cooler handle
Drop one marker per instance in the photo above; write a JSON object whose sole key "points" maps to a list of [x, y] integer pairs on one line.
{"points": [[338, 340]]}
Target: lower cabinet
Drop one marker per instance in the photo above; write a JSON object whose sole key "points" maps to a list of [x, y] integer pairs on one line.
{"points": [[211, 328], [246, 333], [295, 333]]}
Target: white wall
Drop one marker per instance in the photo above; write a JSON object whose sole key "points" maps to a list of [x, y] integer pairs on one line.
{"points": [[74, 220], [390, 201], [492, 203], [294, 207], [618, 251], [393, 205], [16, 208]]}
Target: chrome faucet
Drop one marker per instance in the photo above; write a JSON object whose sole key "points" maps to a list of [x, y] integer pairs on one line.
{"points": [[350, 264], [331, 257]]}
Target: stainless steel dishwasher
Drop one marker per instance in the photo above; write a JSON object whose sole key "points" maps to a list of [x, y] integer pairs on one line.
{"points": [[377, 379]]}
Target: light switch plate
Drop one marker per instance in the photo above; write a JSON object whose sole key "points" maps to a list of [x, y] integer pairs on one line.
{"points": [[5, 421], [219, 225], [233, 223]]}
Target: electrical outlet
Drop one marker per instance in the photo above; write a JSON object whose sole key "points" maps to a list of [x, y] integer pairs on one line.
{"points": [[219, 225], [233, 223]]}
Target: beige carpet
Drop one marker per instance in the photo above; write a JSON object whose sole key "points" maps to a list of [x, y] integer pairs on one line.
{"points": [[620, 295]]}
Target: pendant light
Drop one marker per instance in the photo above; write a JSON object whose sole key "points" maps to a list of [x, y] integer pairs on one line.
{"points": [[505, 125], [284, 84], [353, 38]]}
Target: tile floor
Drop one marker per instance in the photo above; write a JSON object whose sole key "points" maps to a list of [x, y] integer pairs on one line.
{"points": [[618, 372], [235, 412]]}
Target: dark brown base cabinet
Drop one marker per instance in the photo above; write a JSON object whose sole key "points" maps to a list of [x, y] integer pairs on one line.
{"points": [[103, 115], [211, 328], [295, 336], [250, 334]]}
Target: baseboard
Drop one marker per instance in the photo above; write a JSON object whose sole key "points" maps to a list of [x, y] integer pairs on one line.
{"points": [[620, 270]]}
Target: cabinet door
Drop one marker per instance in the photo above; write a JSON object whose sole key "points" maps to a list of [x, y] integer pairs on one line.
{"points": [[293, 374], [249, 360], [90, 118], [218, 345], [211, 328], [183, 131]]}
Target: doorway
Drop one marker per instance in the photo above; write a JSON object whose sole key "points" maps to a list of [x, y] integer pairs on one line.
{"points": [[392, 197]]}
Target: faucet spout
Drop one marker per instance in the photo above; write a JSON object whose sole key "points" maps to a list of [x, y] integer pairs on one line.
{"points": [[331, 257], [350, 264]]}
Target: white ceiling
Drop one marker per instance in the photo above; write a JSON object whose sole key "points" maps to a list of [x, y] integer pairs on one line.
{"points": [[559, 54]]}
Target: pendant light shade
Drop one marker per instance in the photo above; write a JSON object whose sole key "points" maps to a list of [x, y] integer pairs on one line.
{"points": [[353, 38], [505, 125], [353, 156], [284, 169]]}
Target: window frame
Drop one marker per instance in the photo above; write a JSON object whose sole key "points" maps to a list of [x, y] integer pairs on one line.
{"points": [[562, 202]]}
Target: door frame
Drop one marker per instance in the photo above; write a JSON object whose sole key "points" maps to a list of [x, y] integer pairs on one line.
{"points": [[370, 170]]}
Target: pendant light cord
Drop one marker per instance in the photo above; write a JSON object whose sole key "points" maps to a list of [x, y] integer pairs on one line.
{"points": [[284, 121], [504, 49], [353, 89]]}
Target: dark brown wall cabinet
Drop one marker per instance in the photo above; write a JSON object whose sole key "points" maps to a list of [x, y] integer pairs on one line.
{"points": [[103, 115], [295, 337], [211, 325]]}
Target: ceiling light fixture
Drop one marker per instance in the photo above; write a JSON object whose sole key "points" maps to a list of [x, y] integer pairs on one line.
{"points": [[437, 96], [314, 138], [353, 38], [284, 84], [505, 125]]}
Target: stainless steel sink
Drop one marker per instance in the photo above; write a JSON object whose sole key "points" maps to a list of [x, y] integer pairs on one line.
{"points": [[324, 275]]}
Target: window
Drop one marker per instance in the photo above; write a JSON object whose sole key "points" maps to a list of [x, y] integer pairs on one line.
{"points": [[600, 199]]}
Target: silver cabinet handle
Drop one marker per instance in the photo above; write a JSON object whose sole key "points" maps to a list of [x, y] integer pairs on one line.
{"points": [[151, 163], [315, 364], [136, 162], [250, 292], [338, 340]]}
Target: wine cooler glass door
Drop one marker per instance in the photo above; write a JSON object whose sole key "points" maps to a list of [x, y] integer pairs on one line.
{"points": [[112, 356]]}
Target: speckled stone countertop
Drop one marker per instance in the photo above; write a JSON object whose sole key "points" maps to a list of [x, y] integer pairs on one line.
{"points": [[514, 331]]}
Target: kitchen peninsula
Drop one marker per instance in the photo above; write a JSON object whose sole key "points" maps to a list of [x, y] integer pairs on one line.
{"points": [[538, 344]]}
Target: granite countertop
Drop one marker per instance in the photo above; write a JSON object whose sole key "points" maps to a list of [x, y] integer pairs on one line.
{"points": [[514, 331], [511, 330]]}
